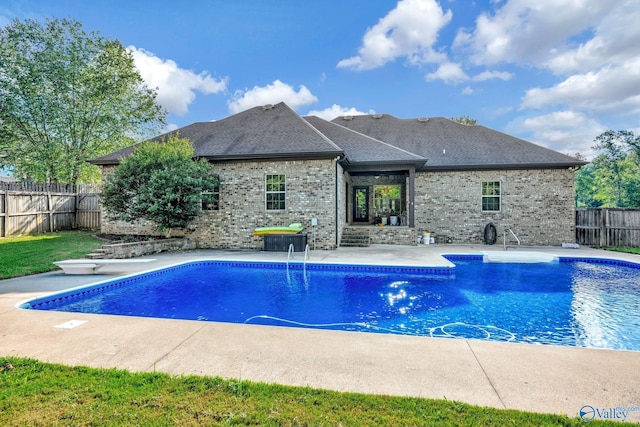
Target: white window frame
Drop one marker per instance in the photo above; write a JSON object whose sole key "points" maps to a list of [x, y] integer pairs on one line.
{"points": [[489, 190], [281, 193]]}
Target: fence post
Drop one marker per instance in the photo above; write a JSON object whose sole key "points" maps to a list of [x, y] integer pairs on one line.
{"points": [[50, 211], [76, 197], [5, 221], [603, 228]]}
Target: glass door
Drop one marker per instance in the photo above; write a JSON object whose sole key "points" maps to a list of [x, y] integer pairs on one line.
{"points": [[360, 204]]}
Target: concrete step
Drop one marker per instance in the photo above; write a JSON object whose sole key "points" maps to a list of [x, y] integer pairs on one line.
{"points": [[354, 245], [355, 238]]}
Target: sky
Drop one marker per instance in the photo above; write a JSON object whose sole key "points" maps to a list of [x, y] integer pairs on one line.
{"points": [[554, 72]]}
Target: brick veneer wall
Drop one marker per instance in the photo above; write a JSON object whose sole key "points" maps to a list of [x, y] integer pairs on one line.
{"points": [[538, 205], [393, 236], [310, 193]]}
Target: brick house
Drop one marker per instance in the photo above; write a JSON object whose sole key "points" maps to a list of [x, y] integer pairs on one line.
{"points": [[355, 172]]}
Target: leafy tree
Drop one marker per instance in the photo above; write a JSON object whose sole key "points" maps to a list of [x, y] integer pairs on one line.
{"points": [[614, 152], [159, 182], [67, 96], [612, 179], [585, 187], [465, 120]]}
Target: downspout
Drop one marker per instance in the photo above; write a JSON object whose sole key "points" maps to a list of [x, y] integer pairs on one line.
{"points": [[412, 196], [336, 160]]}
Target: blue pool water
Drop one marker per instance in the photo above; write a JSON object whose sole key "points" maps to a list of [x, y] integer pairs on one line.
{"points": [[583, 303]]}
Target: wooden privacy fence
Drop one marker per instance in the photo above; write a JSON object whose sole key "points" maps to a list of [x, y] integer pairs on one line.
{"points": [[608, 227], [39, 208]]}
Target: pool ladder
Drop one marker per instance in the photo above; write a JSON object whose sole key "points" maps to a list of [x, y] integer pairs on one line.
{"points": [[504, 239], [292, 250], [304, 265]]}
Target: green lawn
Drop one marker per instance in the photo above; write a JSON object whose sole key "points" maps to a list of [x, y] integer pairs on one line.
{"points": [[21, 256], [626, 250], [35, 393]]}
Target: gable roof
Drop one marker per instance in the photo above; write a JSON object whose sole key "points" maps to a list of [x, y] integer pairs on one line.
{"points": [[362, 149], [267, 132], [451, 145], [369, 141]]}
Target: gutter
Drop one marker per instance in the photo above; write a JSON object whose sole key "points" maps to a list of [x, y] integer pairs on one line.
{"points": [[511, 166], [241, 157]]}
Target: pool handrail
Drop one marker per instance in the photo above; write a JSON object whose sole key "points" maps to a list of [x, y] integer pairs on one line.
{"points": [[289, 252], [504, 239]]}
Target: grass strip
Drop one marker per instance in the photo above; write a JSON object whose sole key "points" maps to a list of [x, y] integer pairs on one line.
{"points": [[22, 256], [36, 393], [625, 250]]}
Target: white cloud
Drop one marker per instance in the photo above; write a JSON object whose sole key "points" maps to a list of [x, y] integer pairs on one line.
{"points": [[171, 127], [528, 31], [612, 89], [592, 47], [565, 131], [410, 30], [489, 75], [449, 73], [336, 111], [467, 91], [616, 38], [176, 86], [271, 94]]}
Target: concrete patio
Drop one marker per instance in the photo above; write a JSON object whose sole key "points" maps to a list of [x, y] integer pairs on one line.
{"points": [[538, 378]]}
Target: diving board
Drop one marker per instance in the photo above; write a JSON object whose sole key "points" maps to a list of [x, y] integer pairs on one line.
{"points": [[91, 266]]}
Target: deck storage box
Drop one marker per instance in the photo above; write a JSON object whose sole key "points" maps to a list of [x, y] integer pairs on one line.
{"points": [[281, 242]]}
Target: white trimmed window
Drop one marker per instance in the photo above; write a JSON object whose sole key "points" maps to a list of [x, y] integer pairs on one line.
{"points": [[491, 196], [275, 192]]}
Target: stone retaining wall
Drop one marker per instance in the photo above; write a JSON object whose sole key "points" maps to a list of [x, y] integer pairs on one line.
{"points": [[137, 249]]}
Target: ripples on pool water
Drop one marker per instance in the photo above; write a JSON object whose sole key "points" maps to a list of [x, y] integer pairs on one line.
{"points": [[580, 304]]}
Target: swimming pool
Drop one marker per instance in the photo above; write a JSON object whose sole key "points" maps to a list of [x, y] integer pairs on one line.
{"points": [[574, 302]]}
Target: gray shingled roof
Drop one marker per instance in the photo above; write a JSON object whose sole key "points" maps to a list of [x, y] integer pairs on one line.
{"points": [[278, 132], [450, 145], [362, 149], [274, 131]]}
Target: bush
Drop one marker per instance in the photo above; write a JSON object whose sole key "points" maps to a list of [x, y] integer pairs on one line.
{"points": [[160, 182]]}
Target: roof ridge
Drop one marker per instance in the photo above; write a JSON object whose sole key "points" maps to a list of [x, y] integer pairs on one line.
{"points": [[320, 133], [378, 140]]}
